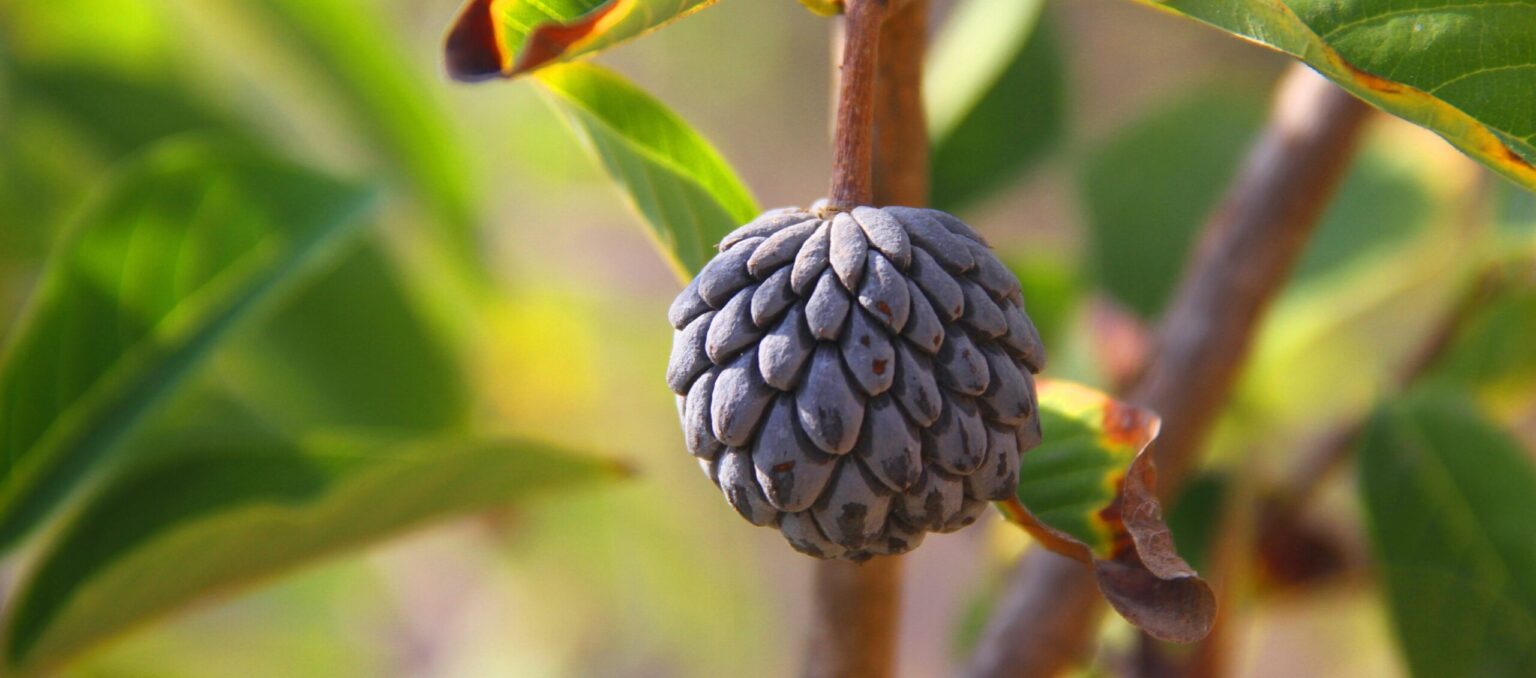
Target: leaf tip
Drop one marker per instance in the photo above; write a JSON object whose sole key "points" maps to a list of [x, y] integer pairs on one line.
{"points": [[473, 50]]}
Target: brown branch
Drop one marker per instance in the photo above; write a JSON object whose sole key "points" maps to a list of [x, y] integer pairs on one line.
{"points": [[852, 148], [901, 127], [1249, 247], [853, 627], [855, 623]]}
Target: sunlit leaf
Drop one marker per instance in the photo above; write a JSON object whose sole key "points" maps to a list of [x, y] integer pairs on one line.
{"points": [[1448, 499], [1463, 68], [180, 246], [227, 509], [390, 101], [1088, 492], [84, 84], [505, 38], [994, 92], [686, 193], [824, 7]]}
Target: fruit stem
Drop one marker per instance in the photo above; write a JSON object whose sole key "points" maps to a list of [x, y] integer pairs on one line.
{"points": [[857, 615], [852, 146]]}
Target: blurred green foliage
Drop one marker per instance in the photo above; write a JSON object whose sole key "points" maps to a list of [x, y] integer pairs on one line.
{"points": [[226, 357], [1448, 498], [995, 98]]}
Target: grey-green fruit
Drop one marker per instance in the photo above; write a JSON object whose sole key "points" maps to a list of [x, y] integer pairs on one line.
{"points": [[857, 379]]}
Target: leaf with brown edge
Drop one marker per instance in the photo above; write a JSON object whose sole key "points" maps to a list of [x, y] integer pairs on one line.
{"points": [[1089, 492], [1461, 68], [506, 38]]}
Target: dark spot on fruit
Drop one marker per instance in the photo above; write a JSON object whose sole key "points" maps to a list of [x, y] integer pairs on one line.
{"points": [[741, 501], [885, 309], [831, 423], [850, 520], [878, 366], [898, 470], [933, 507], [785, 467], [864, 340]]}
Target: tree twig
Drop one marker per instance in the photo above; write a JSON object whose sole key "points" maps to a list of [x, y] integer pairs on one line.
{"points": [[858, 607], [1248, 249], [1333, 448], [852, 144], [900, 171]]}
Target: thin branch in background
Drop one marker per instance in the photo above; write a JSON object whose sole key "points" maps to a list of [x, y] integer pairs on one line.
{"points": [[1334, 447], [1247, 252], [1267, 529], [858, 606]]}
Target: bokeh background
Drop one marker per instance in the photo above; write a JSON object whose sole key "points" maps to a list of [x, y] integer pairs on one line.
{"points": [[1134, 132]]}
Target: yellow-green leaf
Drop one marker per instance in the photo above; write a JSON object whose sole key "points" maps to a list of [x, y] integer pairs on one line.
{"points": [[1462, 68], [1088, 493], [994, 92], [505, 38], [824, 7], [222, 510], [686, 193], [390, 105]]}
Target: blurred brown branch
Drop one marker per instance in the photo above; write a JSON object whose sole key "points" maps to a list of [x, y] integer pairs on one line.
{"points": [[1271, 529], [858, 606], [1047, 619]]}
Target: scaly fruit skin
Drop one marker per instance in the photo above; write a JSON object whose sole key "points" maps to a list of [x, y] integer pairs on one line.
{"points": [[856, 380]]}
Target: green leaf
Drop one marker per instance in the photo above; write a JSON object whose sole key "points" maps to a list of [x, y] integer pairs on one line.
{"points": [[1462, 68], [118, 113], [180, 245], [995, 90], [223, 511], [686, 193], [1149, 187], [1087, 492], [1448, 499], [1088, 443], [350, 350], [1148, 190], [511, 37], [389, 98]]}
